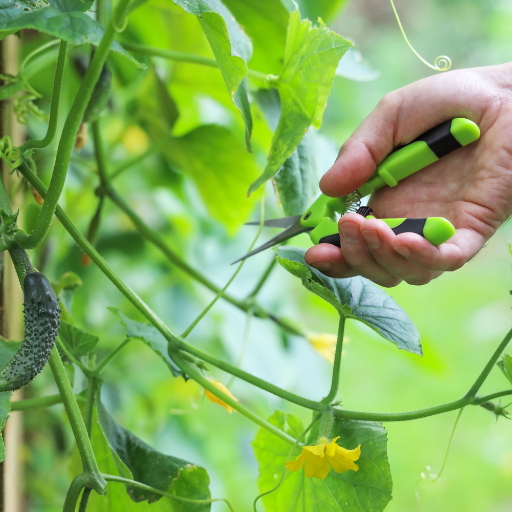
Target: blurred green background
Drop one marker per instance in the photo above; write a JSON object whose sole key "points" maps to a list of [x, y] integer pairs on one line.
{"points": [[462, 316]]}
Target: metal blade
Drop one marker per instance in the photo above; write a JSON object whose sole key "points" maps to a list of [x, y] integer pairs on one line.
{"points": [[283, 222], [295, 229]]}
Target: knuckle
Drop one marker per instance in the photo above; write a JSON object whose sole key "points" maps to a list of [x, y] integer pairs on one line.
{"points": [[419, 280], [390, 283]]}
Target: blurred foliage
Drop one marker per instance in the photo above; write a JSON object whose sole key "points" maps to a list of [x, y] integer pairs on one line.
{"points": [[460, 316]]}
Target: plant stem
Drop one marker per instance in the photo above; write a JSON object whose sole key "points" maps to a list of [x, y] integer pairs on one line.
{"points": [[156, 239], [72, 358], [54, 109], [335, 383], [487, 398], [154, 148], [110, 356], [251, 379], [206, 384], [77, 423], [126, 481], [69, 132], [32, 403], [221, 292], [263, 279], [489, 366], [79, 483], [152, 51], [90, 397], [262, 384]]}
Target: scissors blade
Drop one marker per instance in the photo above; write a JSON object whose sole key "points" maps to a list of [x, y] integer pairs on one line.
{"points": [[283, 222], [295, 229]]}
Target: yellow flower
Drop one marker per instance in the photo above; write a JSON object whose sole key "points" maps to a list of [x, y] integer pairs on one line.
{"points": [[217, 400], [325, 344], [320, 458]]}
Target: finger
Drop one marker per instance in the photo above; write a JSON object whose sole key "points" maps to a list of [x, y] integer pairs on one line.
{"points": [[379, 237], [329, 260], [399, 118], [357, 253], [449, 256]]}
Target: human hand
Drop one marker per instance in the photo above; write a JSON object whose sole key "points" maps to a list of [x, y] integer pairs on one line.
{"points": [[471, 187]]}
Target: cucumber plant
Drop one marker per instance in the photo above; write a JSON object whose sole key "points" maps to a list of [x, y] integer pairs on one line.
{"points": [[195, 110]]}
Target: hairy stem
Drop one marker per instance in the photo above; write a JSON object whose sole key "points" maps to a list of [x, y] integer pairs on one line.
{"points": [[126, 481], [335, 383], [69, 132], [80, 482], [77, 423], [54, 109]]}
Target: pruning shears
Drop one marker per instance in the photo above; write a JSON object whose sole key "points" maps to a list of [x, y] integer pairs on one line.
{"points": [[320, 219]]}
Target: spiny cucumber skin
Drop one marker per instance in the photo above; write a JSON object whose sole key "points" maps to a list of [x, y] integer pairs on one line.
{"points": [[41, 328]]}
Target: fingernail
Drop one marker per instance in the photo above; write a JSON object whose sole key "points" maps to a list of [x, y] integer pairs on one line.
{"points": [[403, 250], [323, 266], [372, 239], [350, 232]]}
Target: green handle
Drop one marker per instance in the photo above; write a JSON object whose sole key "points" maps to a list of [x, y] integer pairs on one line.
{"points": [[436, 230], [425, 150]]}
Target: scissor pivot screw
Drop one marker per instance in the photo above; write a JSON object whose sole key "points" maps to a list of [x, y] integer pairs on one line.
{"points": [[306, 217]]}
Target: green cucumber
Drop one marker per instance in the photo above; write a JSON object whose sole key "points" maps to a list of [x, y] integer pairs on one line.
{"points": [[41, 328]]}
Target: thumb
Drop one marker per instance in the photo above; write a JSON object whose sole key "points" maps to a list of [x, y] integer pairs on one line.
{"points": [[399, 118]]}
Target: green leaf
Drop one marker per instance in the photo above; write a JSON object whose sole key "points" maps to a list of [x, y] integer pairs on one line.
{"points": [[146, 465], [265, 22], [7, 351], [297, 181], [74, 27], [506, 366], [221, 170], [311, 58], [356, 298], [354, 67], [369, 489], [78, 342], [167, 105], [71, 5], [152, 337], [232, 50]]}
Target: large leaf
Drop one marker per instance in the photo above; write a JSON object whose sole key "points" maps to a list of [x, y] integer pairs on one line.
{"points": [[71, 5], [74, 27], [138, 461], [151, 336], [356, 298], [311, 58], [367, 490], [7, 351], [77, 342], [297, 180], [221, 169], [265, 22], [232, 50]]}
